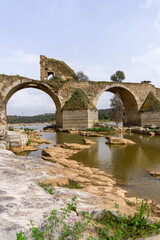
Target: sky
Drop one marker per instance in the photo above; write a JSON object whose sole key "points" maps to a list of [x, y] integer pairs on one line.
{"points": [[97, 37]]}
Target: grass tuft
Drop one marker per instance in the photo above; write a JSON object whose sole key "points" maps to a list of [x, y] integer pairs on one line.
{"points": [[100, 129], [46, 187]]}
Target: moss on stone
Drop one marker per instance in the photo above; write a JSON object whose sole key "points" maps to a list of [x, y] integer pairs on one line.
{"points": [[151, 104], [78, 101]]}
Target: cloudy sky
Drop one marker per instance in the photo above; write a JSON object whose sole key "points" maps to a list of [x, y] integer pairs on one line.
{"points": [[98, 37]]}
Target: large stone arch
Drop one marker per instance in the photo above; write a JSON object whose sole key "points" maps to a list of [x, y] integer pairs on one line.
{"points": [[38, 85], [130, 102]]}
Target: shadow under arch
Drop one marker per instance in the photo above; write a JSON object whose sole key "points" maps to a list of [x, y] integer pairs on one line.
{"points": [[45, 89], [131, 117]]}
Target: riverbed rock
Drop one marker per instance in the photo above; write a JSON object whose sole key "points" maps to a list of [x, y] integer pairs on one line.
{"points": [[88, 142], [25, 148], [142, 130], [157, 131], [73, 131], [16, 139], [91, 134], [118, 141], [74, 146], [40, 140], [57, 152], [155, 175]]}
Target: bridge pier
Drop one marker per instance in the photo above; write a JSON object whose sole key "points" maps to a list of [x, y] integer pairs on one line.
{"points": [[132, 119], [79, 119], [148, 118]]}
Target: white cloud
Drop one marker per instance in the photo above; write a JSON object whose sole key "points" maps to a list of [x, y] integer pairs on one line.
{"points": [[146, 67], [146, 4], [156, 23], [21, 63], [30, 102], [95, 72], [21, 57]]}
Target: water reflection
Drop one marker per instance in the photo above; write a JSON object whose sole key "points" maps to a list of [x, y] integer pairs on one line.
{"points": [[130, 165]]}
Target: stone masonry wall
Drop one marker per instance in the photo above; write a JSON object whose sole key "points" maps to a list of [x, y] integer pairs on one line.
{"points": [[148, 118]]}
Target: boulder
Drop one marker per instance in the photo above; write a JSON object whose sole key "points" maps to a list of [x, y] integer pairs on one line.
{"points": [[74, 146], [91, 134], [88, 142], [155, 175], [16, 139], [157, 131], [118, 141]]}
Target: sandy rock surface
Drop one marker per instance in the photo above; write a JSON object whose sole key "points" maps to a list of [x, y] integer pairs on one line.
{"points": [[88, 142], [91, 134], [74, 146], [118, 141], [21, 199]]}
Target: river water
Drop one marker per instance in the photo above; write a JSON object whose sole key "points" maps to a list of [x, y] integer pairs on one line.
{"points": [[129, 165]]}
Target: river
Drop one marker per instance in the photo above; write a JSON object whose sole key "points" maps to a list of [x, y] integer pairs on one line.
{"points": [[129, 165]]}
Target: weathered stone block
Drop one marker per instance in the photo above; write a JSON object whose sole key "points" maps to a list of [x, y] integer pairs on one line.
{"points": [[80, 119], [16, 139], [148, 118]]}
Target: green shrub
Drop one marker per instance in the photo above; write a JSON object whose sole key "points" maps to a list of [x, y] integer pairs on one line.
{"points": [[27, 130], [73, 185], [46, 187], [127, 227], [108, 226], [28, 142], [11, 129]]}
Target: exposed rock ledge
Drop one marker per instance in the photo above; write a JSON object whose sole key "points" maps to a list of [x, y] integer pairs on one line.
{"points": [[118, 141], [22, 199]]}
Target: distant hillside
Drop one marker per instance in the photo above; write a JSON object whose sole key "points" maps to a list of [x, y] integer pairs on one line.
{"points": [[47, 117], [103, 114]]}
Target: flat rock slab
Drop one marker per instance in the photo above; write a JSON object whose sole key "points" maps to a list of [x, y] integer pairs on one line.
{"points": [[91, 134], [88, 142], [74, 146], [22, 200], [155, 175], [118, 141]]}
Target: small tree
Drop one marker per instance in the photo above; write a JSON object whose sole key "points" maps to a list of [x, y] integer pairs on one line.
{"points": [[82, 76], [118, 76], [116, 113], [10, 119], [117, 109]]}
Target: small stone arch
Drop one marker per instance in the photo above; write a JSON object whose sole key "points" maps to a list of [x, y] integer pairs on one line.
{"points": [[130, 103], [40, 86]]}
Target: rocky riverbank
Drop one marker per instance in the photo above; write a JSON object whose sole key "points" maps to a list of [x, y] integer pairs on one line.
{"points": [[23, 199]]}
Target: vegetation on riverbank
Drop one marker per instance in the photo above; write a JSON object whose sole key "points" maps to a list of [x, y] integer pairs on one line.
{"points": [[103, 114], [100, 129], [105, 225], [47, 117]]}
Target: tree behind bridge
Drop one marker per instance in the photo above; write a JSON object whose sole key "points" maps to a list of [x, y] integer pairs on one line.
{"points": [[117, 109], [82, 76], [118, 76]]}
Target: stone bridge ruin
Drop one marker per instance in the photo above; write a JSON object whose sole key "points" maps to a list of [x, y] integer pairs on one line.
{"points": [[76, 100]]}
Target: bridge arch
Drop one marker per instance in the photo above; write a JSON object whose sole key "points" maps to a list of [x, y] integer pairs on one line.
{"points": [[38, 85], [130, 103]]}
